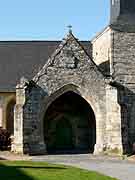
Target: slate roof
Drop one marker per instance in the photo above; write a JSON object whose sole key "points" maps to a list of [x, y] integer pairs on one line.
{"points": [[25, 58]]}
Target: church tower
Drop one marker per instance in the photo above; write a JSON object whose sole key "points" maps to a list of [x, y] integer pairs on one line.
{"points": [[115, 10], [122, 13], [114, 47], [122, 24]]}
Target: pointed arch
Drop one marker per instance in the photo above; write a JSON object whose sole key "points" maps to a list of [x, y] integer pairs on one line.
{"points": [[69, 104]]}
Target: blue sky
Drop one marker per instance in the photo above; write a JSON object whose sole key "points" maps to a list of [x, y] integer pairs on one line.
{"points": [[48, 19]]}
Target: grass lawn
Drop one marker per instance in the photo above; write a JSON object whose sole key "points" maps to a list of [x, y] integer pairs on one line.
{"points": [[22, 170]]}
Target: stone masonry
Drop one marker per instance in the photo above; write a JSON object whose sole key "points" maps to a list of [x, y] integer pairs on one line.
{"points": [[106, 81], [69, 69]]}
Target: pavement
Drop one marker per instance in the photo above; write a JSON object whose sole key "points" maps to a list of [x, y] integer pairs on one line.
{"points": [[7, 155], [111, 166], [108, 165]]}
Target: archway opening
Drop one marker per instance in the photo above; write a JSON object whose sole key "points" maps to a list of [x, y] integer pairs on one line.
{"points": [[63, 138], [69, 125], [10, 117]]}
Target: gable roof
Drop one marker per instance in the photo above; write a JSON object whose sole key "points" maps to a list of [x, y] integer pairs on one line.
{"points": [[71, 43], [25, 58]]}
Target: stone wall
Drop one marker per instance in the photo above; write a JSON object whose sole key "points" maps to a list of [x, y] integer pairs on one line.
{"points": [[124, 58], [101, 50], [123, 72], [113, 121], [26, 121], [70, 65], [32, 132], [69, 69]]}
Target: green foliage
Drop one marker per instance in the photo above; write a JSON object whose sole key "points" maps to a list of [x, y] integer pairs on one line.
{"points": [[42, 171]]}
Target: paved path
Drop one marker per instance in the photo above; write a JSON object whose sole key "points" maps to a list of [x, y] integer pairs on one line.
{"points": [[114, 167]]}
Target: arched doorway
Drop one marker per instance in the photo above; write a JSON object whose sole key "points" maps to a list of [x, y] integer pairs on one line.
{"points": [[63, 138], [10, 116], [69, 125]]}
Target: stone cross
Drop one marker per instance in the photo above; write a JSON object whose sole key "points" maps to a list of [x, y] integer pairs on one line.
{"points": [[70, 28]]}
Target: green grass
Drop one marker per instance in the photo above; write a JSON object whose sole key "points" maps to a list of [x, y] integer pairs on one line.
{"points": [[21, 170]]}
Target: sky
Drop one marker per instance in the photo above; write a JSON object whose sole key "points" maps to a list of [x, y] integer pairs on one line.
{"points": [[48, 19]]}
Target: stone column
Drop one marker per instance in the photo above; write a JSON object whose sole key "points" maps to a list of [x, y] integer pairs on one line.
{"points": [[32, 124], [100, 133], [113, 121], [99, 112], [28, 137], [18, 145]]}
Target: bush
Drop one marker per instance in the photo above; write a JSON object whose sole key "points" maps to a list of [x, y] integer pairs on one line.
{"points": [[5, 140]]}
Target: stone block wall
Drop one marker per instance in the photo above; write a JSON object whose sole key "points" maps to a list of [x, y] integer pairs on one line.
{"points": [[121, 45], [118, 47], [101, 50], [69, 69], [27, 135], [124, 58], [124, 73], [32, 133], [113, 121]]}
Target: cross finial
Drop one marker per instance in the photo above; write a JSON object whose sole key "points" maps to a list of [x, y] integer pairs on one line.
{"points": [[70, 28]]}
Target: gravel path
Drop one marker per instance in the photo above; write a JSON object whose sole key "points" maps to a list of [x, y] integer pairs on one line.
{"points": [[114, 167]]}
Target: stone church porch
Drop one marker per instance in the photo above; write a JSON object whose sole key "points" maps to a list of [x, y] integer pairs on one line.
{"points": [[68, 105]]}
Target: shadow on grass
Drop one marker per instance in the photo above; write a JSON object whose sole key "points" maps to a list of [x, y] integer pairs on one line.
{"points": [[36, 167], [20, 172], [12, 173]]}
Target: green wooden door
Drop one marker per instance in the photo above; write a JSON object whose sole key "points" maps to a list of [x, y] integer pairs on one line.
{"points": [[63, 135]]}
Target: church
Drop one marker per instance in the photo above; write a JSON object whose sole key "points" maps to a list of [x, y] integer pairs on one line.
{"points": [[71, 95]]}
